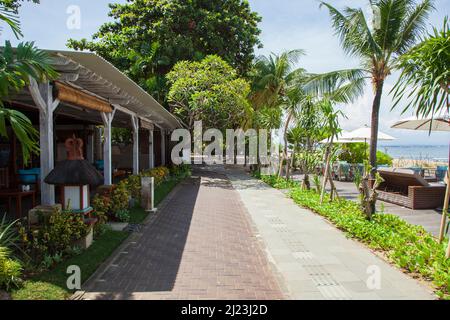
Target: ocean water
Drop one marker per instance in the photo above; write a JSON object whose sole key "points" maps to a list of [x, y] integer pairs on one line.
{"points": [[417, 152]]}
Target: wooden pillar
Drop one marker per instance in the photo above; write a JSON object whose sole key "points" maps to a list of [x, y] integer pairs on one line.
{"points": [[43, 98], [163, 147], [90, 145], [151, 150], [107, 158], [98, 143], [135, 123]]}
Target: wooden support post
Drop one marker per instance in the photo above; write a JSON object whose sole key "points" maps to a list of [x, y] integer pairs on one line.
{"points": [[135, 123], [163, 147], [151, 150], [90, 147], [445, 209], [107, 157], [42, 95]]}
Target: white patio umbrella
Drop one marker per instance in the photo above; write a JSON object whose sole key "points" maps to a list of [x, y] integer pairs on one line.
{"points": [[363, 135], [440, 123], [341, 138]]}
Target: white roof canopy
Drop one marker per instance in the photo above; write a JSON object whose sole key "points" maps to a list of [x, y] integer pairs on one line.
{"points": [[92, 74]]}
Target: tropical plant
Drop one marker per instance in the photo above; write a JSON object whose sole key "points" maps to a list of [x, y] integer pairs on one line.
{"points": [[209, 90], [9, 237], [331, 129], [425, 77], [395, 28], [17, 66], [148, 37], [10, 270], [271, 77]]}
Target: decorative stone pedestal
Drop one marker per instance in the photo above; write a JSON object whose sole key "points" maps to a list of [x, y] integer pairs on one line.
{"points": [[147, 194], [45, 211]]}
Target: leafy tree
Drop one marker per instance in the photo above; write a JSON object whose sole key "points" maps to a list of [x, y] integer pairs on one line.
{"points": [[396, 26], [16, 67], [209, 90], [148, 37], [425, 77]]}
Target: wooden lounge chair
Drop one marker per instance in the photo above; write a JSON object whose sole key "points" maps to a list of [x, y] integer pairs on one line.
{"points": [[407, 188]]}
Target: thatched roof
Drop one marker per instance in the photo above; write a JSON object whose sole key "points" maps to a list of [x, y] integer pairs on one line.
{"points": [[74, 172]]}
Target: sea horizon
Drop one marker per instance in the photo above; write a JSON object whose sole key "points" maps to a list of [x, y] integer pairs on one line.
{"points": [[416, 151]]}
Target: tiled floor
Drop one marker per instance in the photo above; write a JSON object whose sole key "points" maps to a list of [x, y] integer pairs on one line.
{"points": [[200, 245]]}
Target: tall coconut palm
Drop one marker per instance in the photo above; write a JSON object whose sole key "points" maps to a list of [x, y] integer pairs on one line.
{"points": [[271, 77], [394, 29]]}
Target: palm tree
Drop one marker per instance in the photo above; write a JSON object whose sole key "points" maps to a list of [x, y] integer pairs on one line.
{"points": [[17, 66], [271, 77], [425, 77], [395, 27]]}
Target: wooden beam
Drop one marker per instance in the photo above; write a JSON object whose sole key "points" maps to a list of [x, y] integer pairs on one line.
{"points": [[71, 95]]}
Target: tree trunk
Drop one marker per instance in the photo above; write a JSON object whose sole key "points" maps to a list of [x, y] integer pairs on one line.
{"points": [[327, 169], [374, 127], [286, 127]]}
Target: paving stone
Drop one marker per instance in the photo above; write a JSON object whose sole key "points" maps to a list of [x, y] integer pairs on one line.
{"points": [[200, 245]]}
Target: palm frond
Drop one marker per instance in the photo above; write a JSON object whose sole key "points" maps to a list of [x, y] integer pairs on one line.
{"points": [[354, 34], [413, 25], [327, 83], [11, 19]]}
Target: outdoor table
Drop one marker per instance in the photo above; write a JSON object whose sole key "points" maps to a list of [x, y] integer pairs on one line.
{"points": [[18, 195]]}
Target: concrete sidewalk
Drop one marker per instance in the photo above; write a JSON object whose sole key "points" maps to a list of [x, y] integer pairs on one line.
{"points": [[315, 259]]}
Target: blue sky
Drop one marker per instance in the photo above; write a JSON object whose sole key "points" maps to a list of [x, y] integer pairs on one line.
{"points": [[287, 24]]}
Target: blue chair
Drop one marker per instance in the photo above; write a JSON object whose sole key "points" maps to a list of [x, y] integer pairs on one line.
{"points": [[417, 170], [440, 172]]}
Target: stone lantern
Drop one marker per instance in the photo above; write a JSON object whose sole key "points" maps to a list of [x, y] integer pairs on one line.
{"points": [[74, 176]]}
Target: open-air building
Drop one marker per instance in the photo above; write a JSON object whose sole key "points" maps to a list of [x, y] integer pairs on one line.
{"points": [[87, 100]]}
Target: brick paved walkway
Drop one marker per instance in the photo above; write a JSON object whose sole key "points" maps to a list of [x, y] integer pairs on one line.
{"points": [[200, 245]]}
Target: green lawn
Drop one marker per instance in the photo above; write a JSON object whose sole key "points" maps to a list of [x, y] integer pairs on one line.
{"points": [[51, 285]]}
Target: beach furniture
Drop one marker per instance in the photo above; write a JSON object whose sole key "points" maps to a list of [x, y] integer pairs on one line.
{"points": [[341, 171], [407, 188], [440, 172]]}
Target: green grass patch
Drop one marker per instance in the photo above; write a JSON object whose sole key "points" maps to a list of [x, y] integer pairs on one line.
{"points": [[164, 189], [137, 215], [408, 246], [51, 285]]}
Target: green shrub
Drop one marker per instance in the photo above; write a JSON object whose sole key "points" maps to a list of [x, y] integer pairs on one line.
{"points": [[54, 236], [181, 171], [383, 158], [10, 270], [122, 215], [119, 197], [359, 152], [408, 246]]}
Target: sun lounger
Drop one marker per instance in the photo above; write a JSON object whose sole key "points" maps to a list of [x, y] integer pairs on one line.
{"points": [[409, 189]]}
